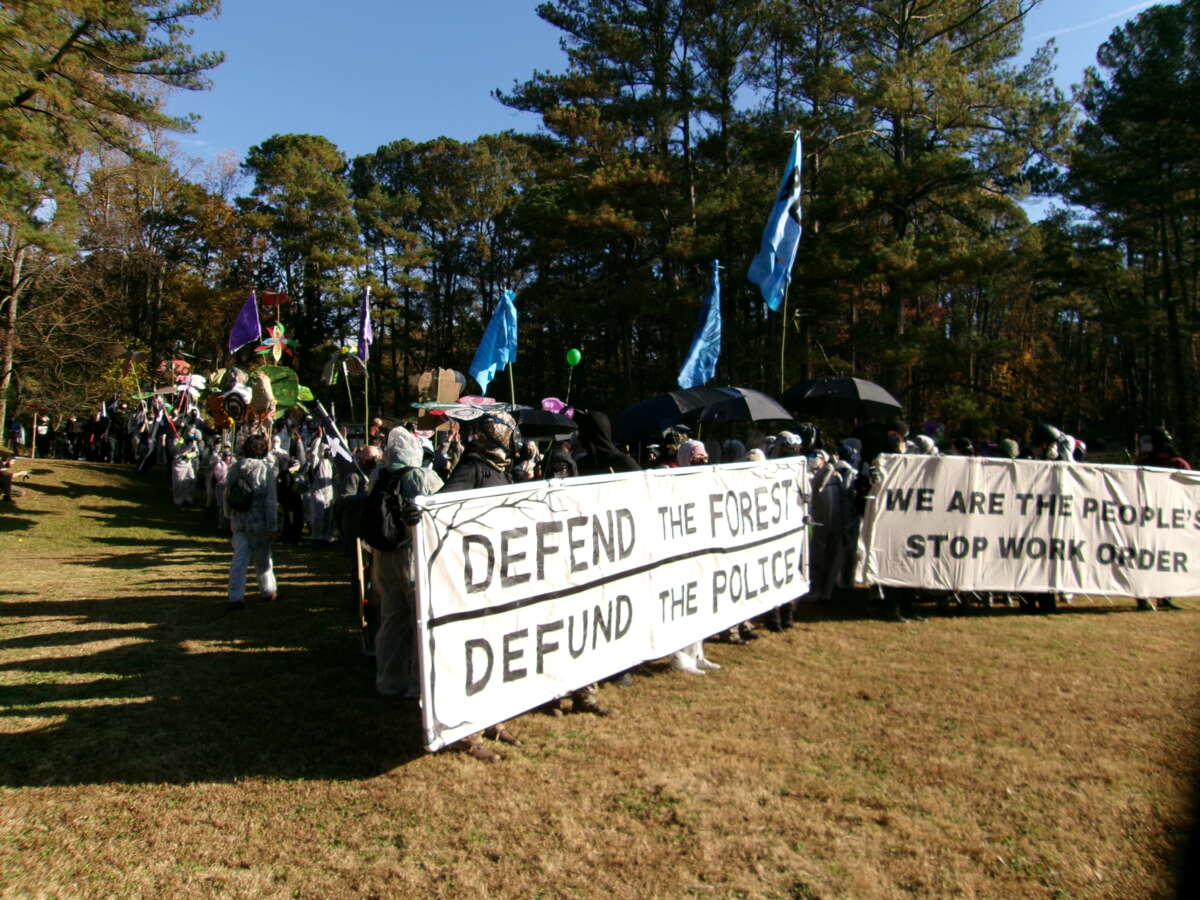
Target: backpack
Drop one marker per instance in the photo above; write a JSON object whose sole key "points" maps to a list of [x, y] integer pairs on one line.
{"points": [[381, 525], [240, 494]]}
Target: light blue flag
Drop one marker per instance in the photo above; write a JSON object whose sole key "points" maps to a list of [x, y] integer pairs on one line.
{"points": [[701, 363], [772, 267], [498, 347]]}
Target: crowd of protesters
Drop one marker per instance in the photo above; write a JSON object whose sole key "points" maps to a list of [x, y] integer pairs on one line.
{"points": [[300, 477]]}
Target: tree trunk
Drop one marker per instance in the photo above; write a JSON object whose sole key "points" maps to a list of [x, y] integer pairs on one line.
{"points": [[13, 291]]}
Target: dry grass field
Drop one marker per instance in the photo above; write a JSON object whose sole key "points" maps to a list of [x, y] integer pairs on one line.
{"points": [[153, 745]]}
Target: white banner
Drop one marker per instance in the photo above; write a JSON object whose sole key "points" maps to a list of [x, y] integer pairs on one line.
{"points": [[979, 524], [527, 592]]}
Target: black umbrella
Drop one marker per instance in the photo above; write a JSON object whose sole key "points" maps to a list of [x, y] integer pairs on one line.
{"points": [[841, 396], [658, 413], [541, 424], [743, 405]]}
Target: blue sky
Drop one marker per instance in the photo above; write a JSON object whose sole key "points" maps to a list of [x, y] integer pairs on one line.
{"points": [[366, 72]]}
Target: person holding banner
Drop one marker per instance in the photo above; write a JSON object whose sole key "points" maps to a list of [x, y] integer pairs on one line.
{"points": [[486, 462], [596, 455], [1157, 449], [1052, 445], [832, 515], [393, 573], [691, 659]]}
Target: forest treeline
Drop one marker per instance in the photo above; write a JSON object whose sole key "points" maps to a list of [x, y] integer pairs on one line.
{"points": [[663, 136]]}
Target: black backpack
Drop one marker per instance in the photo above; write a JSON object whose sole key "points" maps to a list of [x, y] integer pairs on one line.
{"points": [[240, 494], [382, 526]]}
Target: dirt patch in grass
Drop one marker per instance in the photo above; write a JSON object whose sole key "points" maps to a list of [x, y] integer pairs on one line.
{"points": [[151, 744]]}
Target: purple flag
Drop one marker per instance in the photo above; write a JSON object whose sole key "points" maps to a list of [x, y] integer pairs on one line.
{"points": [[366, 334], [246, 327]]}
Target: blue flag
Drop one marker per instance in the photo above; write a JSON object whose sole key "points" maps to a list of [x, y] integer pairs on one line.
{"points": [[701, 363], [498, 347], [366, 334], [772, 267], [246, 327]]}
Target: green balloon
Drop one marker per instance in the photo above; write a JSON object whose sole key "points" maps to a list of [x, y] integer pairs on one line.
{"points": [[573, 357]]}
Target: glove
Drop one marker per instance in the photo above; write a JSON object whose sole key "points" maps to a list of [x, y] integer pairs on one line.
{"points": [[410, 513]]}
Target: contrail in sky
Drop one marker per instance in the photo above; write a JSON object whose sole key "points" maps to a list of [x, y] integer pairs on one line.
{"points": [[1116, 15]]}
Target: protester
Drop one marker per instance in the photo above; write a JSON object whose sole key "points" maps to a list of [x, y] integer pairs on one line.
{"points": [[43, 435], [832, 511], [691, 659], [559, 463], [1008, 449], [252, 528], [393, 572], [115, 436], [183, 474], [526, 466], [1049, 443], [963, 446], [218, 476], [349, 509], [734, 450], [849, 468], [596, 453], [1052, 445], [320, 493], [449, 450], [486, 462], [6, 477], [1157, 449], [924, 445], [16, 435]]}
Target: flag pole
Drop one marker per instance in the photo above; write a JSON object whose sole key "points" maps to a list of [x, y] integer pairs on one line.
{"points": [[783, 334], [366, 335], [349, 394], [511, 386]]}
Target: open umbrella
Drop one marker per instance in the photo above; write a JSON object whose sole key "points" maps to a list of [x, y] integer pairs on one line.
{"points": [[841, 396], [542, 424], [658, 413], [742, 405]]}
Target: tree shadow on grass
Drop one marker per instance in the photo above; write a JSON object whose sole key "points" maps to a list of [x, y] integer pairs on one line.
{"points": [[201, 694], [16, 518], [160, 683]]}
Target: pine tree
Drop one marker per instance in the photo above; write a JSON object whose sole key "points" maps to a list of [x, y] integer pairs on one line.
{"points": [[78, 76]]}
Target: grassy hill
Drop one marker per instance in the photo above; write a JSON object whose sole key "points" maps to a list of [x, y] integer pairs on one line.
{"points": [[152, 744]]}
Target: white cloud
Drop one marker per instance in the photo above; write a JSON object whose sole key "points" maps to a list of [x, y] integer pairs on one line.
{"points": [[1119, 14]]}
